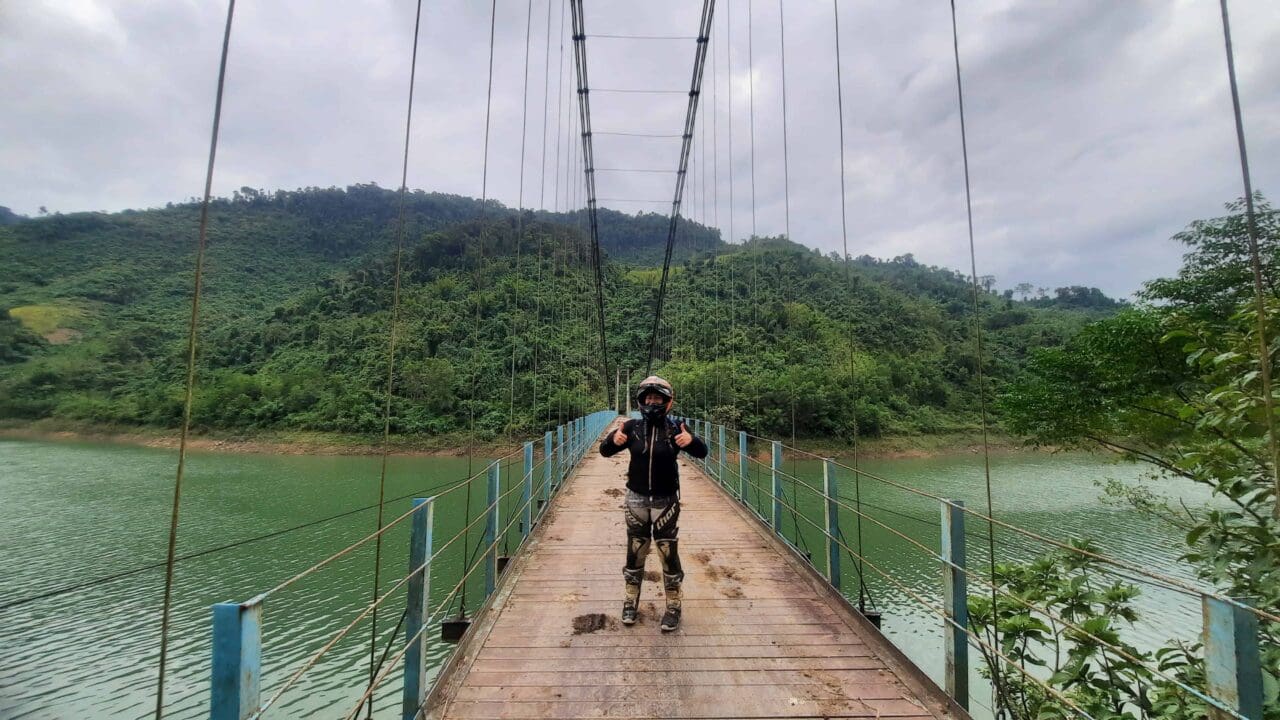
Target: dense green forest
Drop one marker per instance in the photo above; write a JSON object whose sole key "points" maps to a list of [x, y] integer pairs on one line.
{"points": [[768, 335]]}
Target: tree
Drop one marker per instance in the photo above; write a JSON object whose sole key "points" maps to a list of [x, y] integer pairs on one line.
{"points": [[1024, 290], [1217, 273], [1176, 386]]}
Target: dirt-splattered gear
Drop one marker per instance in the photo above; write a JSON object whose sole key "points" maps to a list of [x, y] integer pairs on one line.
{"points": [[652, 470], [653, 520], [671, 618]]}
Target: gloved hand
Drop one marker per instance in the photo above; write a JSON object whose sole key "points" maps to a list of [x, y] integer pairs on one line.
{"points": [[684, 437]]}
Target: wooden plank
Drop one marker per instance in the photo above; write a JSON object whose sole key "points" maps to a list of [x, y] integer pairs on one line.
{"points": [[686, 640], [630, 665], [759, 637], [479, 678], [747, 702], [657, 652], [702, 694], [552, 626]]}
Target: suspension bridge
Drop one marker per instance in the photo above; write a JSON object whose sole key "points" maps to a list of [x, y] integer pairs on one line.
{"points": [[774, 627]]}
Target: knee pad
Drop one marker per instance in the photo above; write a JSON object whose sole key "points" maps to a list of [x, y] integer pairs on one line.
{"points": [[637, 551], [668, 553]]}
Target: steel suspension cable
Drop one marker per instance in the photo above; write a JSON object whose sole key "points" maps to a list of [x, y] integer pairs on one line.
{"points": [[848, 264], [524, 136], [391, 349], [733, 238], [395, 660], [542, 205], [201, 243], [546, 104], [691, 115], [715, 211], [751, 106], [588, 160], [120, 575], [558, 303], [977, 338], [1264, 345], [372, 608], [755, 254], [932, 554], [1149, 576], [786, 161], [562, 98], [479, 267]]}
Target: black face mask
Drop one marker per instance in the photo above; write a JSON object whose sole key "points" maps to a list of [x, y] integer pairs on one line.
{"points": [[653, 411]]}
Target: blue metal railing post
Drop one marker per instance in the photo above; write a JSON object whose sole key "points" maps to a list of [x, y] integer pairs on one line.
{"points": [[710, 442], [743, 459], [710, 438], [548, 452], [700, 430], [723, 454], [777, 487], [1232, 662], [956, 603], [418, 609], [491, 529], [237, 660], [526, 495], [561, 454], [829, 488]]}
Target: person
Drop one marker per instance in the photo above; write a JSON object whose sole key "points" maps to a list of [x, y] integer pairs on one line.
{"points": [[652, 507]]}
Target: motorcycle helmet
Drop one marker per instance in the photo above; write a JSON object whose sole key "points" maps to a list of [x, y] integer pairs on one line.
{"points": [[654, 410]]}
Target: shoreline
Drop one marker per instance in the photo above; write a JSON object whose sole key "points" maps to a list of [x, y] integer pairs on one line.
{"points": [[455, 445], [272, 443]]}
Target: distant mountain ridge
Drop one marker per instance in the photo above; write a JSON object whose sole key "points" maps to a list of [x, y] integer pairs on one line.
{"points": [[93, 311]]}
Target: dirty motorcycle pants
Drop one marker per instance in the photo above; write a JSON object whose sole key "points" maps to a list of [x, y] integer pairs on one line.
{"points": [[652, 519]]}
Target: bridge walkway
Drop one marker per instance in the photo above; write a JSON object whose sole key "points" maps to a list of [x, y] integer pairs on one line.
{"points": [[763, 636]]}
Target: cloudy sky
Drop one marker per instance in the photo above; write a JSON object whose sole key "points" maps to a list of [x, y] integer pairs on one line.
{"points": [[1097, 128]]}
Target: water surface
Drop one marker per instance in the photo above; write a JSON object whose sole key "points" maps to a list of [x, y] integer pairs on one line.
{"points": [[71, 512]]}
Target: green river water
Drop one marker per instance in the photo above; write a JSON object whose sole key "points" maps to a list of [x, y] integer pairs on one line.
{"points": [[72, 512]]}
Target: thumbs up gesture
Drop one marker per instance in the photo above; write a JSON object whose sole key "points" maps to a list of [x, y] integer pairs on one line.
{"points": [[619, 438], [684, 437]]}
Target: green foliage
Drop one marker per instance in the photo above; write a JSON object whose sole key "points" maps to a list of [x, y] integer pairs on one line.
{"points": [[777, 338], [1060, 621], [1177, 385], [295, 314], [1217, 273], [17, 343]]}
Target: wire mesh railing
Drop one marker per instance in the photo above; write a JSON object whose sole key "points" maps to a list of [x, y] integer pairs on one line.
{"points": [[1232, 686], [509, 515]]}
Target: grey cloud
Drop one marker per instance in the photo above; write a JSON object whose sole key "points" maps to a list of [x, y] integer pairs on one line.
{"points": [[1097, 129]]}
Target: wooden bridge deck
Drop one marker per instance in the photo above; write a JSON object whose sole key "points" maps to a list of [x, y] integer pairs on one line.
{"points": [[762, 636]]}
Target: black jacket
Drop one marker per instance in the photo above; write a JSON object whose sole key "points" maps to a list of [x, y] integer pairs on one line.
{"points": [[652, 473]]}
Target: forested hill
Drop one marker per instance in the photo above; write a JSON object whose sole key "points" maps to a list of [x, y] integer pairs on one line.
{"points": [[94, 310]]}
